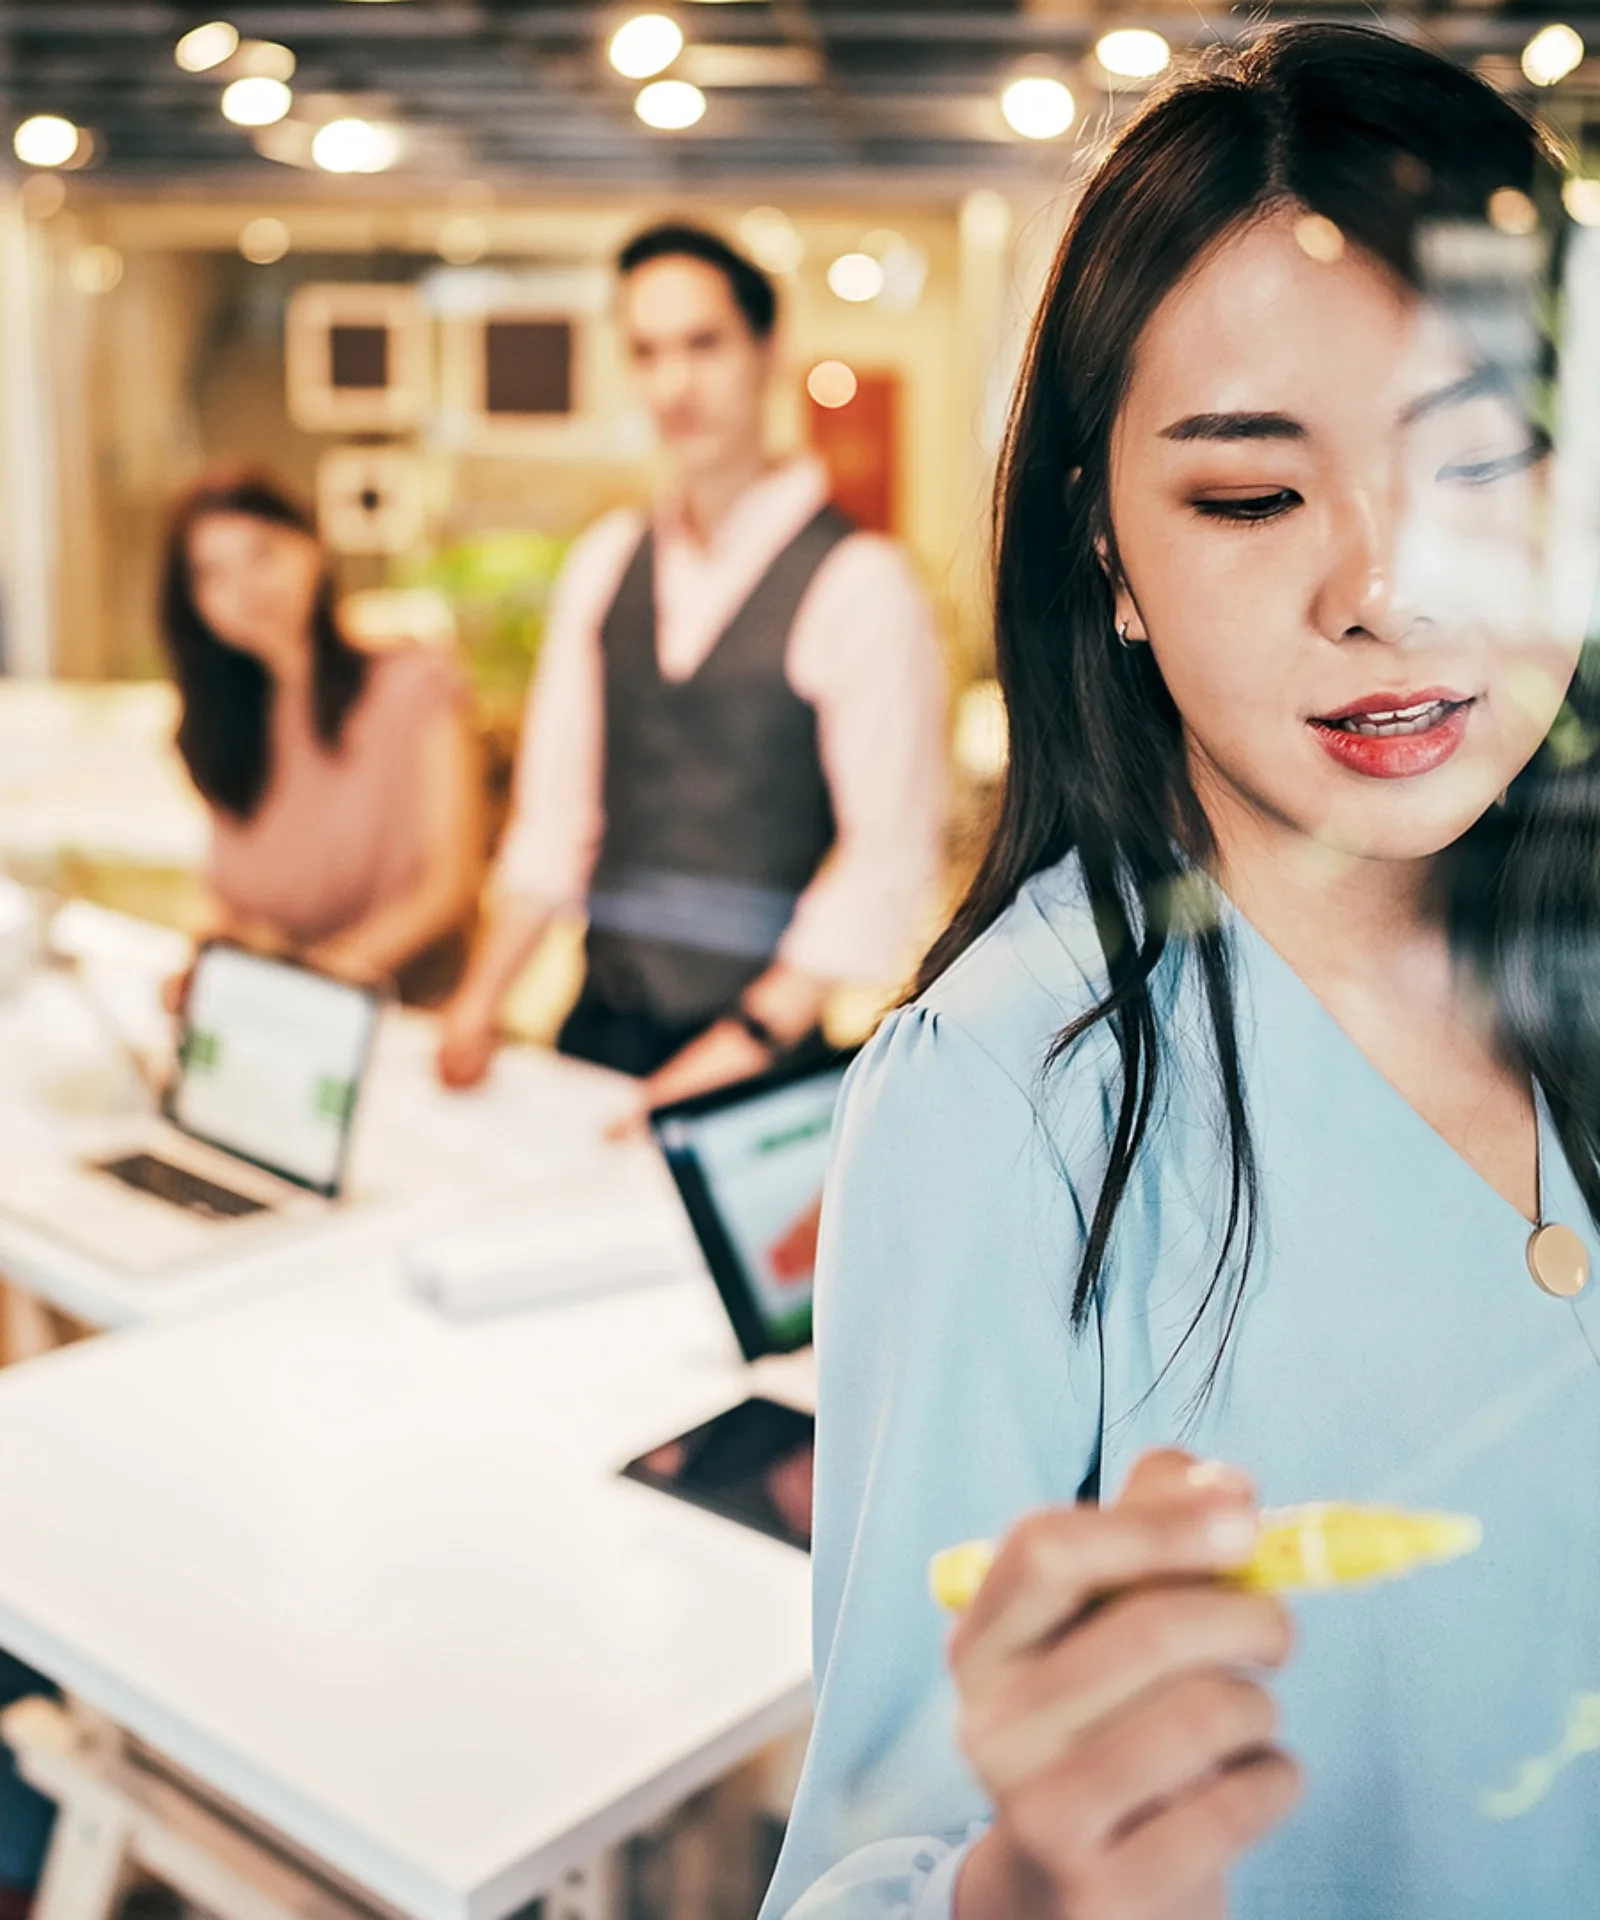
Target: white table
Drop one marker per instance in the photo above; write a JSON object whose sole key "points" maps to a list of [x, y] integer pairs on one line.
{"points": [[422, 1157], [372, 1577]]}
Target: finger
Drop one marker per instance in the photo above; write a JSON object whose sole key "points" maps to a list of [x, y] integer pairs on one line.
{"points": [[1181, 1852], [1168, 1473], [1166, 1746], [1055, 1562], [1113, 1664]]}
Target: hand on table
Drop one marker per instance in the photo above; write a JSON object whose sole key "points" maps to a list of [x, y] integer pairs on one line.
{"points": [[1107, 1708], [722, 1054], [467, 1043]]}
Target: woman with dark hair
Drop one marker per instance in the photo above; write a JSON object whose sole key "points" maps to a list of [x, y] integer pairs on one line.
{"points": [[344, 785], [1255, 1085]]}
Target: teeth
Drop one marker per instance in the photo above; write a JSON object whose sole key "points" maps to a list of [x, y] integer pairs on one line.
{"points": [[1398, 720]]}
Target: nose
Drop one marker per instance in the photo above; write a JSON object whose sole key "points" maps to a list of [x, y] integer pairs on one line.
{"points": [[1362, 594], [669, 381]]}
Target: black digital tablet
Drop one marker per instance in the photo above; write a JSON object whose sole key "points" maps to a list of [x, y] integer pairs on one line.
{"points": [[751, 1463], [749, 1161]]}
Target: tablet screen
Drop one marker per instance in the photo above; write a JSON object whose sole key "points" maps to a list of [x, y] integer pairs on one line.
{"points": [[749, 1163], [271, 1059]]}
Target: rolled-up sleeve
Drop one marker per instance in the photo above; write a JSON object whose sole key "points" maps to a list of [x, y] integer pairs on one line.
{"points": [[557, 810], [866, 654], [954, 1396]]}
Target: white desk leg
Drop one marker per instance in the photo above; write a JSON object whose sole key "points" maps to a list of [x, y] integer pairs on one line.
{"points": [[87, 1861]]}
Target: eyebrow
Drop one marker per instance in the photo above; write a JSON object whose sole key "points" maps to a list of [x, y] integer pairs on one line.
{"points": [[1481, 380], [1235, 426], [1485, 379]]}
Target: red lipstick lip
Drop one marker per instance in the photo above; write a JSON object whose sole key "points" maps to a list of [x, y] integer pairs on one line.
{"points": [[1395, 703], [1396, 756]]}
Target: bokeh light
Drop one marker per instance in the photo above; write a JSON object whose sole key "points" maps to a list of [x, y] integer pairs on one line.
{"points": [[264, 240], [1133, 53], [95, 269], [1038, 107], [645, 45], [256, 101], [1581, 198], [203, 48], [1511, 211], [772, 239], [856, 277], [832, 384], [1552, 54], [670, 105], [45, 140], [355, 146]]}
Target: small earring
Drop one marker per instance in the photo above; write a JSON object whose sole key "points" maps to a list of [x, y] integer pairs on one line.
{"points": [[1122, 636]]}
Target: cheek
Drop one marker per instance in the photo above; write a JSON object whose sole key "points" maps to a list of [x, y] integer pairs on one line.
{"points": [[1529, 681], [1224, 607]]}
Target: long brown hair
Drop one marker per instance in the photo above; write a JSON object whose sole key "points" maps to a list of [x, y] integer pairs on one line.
{"points": [[227, 694], [1386, 140]]}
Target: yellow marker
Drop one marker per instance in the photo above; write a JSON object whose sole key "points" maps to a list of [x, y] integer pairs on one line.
{"points": [[1299, 1549]]}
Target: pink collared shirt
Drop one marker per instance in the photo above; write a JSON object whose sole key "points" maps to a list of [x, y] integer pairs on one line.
{"points": [[863, 651]]}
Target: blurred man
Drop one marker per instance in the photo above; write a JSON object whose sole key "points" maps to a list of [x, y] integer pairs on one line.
{"points": [[734, 748]]}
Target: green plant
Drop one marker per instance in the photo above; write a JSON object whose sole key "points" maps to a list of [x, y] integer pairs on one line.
{"points": [[497, 586]]}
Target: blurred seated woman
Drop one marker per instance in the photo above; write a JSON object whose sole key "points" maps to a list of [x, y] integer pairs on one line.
{"points": [[344, 785]]}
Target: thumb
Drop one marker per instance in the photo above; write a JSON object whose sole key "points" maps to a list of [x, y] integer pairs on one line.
{"points": [[1169, 1473]]}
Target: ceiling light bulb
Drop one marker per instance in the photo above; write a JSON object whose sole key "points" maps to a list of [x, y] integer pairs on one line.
{"points": [[267, 59], [646, 45], [1581, 198], [1551, 55], [1511, 211], [264, 240], [256, 101], [831, 384], [772, 239], [355, 146], [46, 140], [856, 277], [1132, 53], [670, 105], [1038, 107], [203, 48]]}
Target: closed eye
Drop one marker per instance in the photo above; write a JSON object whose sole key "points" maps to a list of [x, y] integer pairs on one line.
{"points": [[1248, 509], [1483, 473]]}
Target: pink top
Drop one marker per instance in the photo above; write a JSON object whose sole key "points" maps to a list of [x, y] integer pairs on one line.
{"points": [[863, 652], [337, 834]]}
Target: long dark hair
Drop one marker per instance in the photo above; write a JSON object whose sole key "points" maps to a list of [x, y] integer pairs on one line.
{"points": [[225, 732], [1387, 141]]}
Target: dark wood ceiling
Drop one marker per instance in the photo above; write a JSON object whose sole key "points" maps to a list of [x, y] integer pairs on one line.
{"points": [[811, 88]]}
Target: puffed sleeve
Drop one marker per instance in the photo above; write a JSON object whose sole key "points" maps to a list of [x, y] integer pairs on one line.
{"points": [[954, 1396]]}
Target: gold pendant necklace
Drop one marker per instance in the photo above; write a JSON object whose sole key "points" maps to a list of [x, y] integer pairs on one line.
{"points": [[1558, 1261]]}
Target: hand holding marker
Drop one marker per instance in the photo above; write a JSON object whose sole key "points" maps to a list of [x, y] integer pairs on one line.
{"points": [[1300, 1550], [1109, 1664]]}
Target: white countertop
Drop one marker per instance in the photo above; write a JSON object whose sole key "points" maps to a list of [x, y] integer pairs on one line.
{"points": [[372, 1575], [422, 1158]]}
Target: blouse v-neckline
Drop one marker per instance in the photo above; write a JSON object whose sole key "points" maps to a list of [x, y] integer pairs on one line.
{"points": [[1249, 934]]}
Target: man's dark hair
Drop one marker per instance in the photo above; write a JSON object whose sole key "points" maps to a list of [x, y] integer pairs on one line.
{"points": [[753, 293]]}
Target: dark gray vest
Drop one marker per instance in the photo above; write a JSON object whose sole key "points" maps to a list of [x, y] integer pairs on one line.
{"points": [[716, 806]]}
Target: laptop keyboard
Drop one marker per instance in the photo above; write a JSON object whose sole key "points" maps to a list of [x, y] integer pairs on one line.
{"points": [[180, 1188]]}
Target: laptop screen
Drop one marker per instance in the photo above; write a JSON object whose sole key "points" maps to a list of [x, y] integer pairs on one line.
{"points": [[749, 1162], [270, 1062]]}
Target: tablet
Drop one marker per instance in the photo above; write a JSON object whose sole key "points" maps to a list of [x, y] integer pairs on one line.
{"points": [[749, 1162], [271, 1057]]}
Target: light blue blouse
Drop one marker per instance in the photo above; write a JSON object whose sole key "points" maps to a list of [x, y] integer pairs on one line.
{"points": [[1391, 1346]]}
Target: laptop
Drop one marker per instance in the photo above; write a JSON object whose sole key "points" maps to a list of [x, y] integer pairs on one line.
{"points": [[253, 1133], [748, 1162]]}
